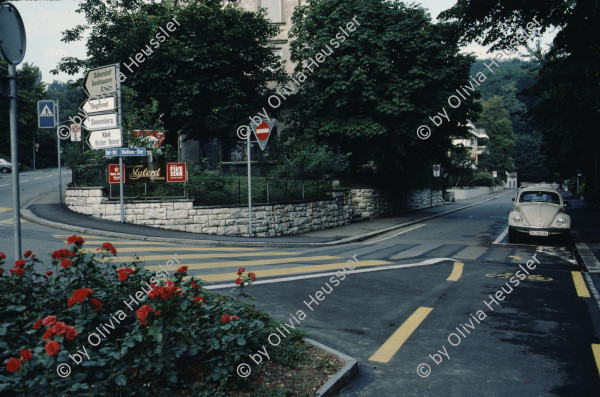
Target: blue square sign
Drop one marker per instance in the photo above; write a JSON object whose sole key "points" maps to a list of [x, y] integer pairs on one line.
{"points": [[46, 114]]}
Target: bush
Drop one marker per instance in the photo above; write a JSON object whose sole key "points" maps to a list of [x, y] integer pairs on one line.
{"points": [[123, 331]]}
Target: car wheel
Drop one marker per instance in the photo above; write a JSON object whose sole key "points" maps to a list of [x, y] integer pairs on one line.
{"points": [[512, 236], [5, 170]]}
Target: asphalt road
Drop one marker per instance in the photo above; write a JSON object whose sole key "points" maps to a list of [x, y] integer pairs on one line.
{"points": [[417, 310]]}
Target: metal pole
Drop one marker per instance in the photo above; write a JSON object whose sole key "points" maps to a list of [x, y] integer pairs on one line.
{"points": [[249, 189], [33, 152], [14, 153], [58, 139], [121, 172]]}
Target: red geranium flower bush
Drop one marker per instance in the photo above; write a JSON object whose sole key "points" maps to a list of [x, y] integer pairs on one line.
{"points": [[108, 323]]}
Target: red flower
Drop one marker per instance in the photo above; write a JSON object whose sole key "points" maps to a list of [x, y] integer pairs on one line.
{"points": [[231, 318], [27, 253], [124, 273], [66, 263], [95, 304], [52, 347], [71, 333], [17, 270], [182, 269], [49, 320], [157, 313], [20, 262], [63, 253], [79, 295], [199, 299], [227, 318], [36, 325], [154, 292], [238, 281], [109, 247], [59, 328], [12, 365], [2, 256], [241, 270], [48, 334], [194, 285], [75, 239], [252, 276], [25, 355], [142, 314], [49, 272]]}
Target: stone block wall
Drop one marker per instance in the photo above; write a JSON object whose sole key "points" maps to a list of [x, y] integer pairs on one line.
{"points": [[371, 203], [269, 220]]}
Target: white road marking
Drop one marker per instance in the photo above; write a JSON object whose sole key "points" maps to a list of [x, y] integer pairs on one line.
{"points": [[397, 234], [501, 236], [4, 185], [317, 275]]}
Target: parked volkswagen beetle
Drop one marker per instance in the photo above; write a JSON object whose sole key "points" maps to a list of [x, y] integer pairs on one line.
{"points": [[539, 210]]}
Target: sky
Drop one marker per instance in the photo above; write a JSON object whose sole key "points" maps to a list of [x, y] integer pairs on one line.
{"points": [[46, 20]]}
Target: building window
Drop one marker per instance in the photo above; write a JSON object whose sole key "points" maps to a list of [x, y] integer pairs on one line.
{"points": [[274, 10]]}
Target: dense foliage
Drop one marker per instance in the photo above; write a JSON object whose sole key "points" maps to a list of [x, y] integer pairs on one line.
{"points": [[90, 328]]}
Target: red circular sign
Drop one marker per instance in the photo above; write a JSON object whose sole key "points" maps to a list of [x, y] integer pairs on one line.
{"points": [[262, 131]]}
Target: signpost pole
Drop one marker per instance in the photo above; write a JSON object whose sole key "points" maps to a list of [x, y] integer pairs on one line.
{"points": [[121, 170], [56, 112], [14, 153], [249, 189]]}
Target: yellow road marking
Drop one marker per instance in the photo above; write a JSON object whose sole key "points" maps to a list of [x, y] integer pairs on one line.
{"points": [[122, 242], [456, 272], [168, 249], [69, 235], [258, 262], [10, 221], [391, 346], [4, 209], [211, 278], [201, 256], [516, 257], [582, 290], [596, 351]]}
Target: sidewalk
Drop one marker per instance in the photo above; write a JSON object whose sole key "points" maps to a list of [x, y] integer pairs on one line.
{"points": [[46, 210]]}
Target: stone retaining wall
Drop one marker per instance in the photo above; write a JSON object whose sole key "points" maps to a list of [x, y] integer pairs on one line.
{"points": [[268, 220], [371, 203]]}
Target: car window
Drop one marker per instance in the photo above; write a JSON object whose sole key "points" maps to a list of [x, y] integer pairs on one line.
{"points": [[539, 197]]}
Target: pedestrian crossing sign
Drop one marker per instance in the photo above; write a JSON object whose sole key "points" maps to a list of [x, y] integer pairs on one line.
{"points": [[46, 114]]}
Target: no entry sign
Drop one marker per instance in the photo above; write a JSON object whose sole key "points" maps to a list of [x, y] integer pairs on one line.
{"points": [[262, 132]]}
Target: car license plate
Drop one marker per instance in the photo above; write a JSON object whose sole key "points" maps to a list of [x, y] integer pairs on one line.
{"points": [[538, 233]]}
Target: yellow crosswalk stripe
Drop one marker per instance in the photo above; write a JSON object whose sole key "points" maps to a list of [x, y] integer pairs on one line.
{"points": [[245, 263], [456, 272], [200, 256], [10, 221], [580, 287], [4, 209], [170, 249], [211, 278]]}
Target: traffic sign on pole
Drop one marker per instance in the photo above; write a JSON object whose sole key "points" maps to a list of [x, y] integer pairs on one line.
{"points": [[132, 151], [46, 111], [101, 81], [436, 170], [262, 132], [99, 105], [102, 139], [75, 133]]}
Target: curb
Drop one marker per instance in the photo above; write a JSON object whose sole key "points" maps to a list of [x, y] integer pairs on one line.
{"points": [[585, 254], [28, 215], [341, 379]]}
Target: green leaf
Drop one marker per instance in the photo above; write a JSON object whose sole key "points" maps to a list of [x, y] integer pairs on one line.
{"points": [[121, 380]]}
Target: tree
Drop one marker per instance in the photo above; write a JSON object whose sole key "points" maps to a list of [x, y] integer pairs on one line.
{"points": [[495, 120], [568, 86], [382, 78], [210, 73]]}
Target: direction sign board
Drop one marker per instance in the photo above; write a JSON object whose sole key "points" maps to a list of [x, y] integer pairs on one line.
{"points": [[100, 121], [262, 132], [46, 111], [102, 139], [101, 81], [111, 153], [133, 151], [99, 105]]}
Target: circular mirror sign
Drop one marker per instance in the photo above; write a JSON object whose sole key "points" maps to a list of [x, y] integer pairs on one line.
{"points": [[12, 34]]}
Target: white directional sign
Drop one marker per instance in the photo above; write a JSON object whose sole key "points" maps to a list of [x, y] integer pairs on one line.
{"points": [[99, 105], [101, 81], [102, 139], [100, 121]]}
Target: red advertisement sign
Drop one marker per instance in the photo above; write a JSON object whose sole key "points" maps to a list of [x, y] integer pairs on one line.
{"points": [[176, 172], [114, 176]]}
